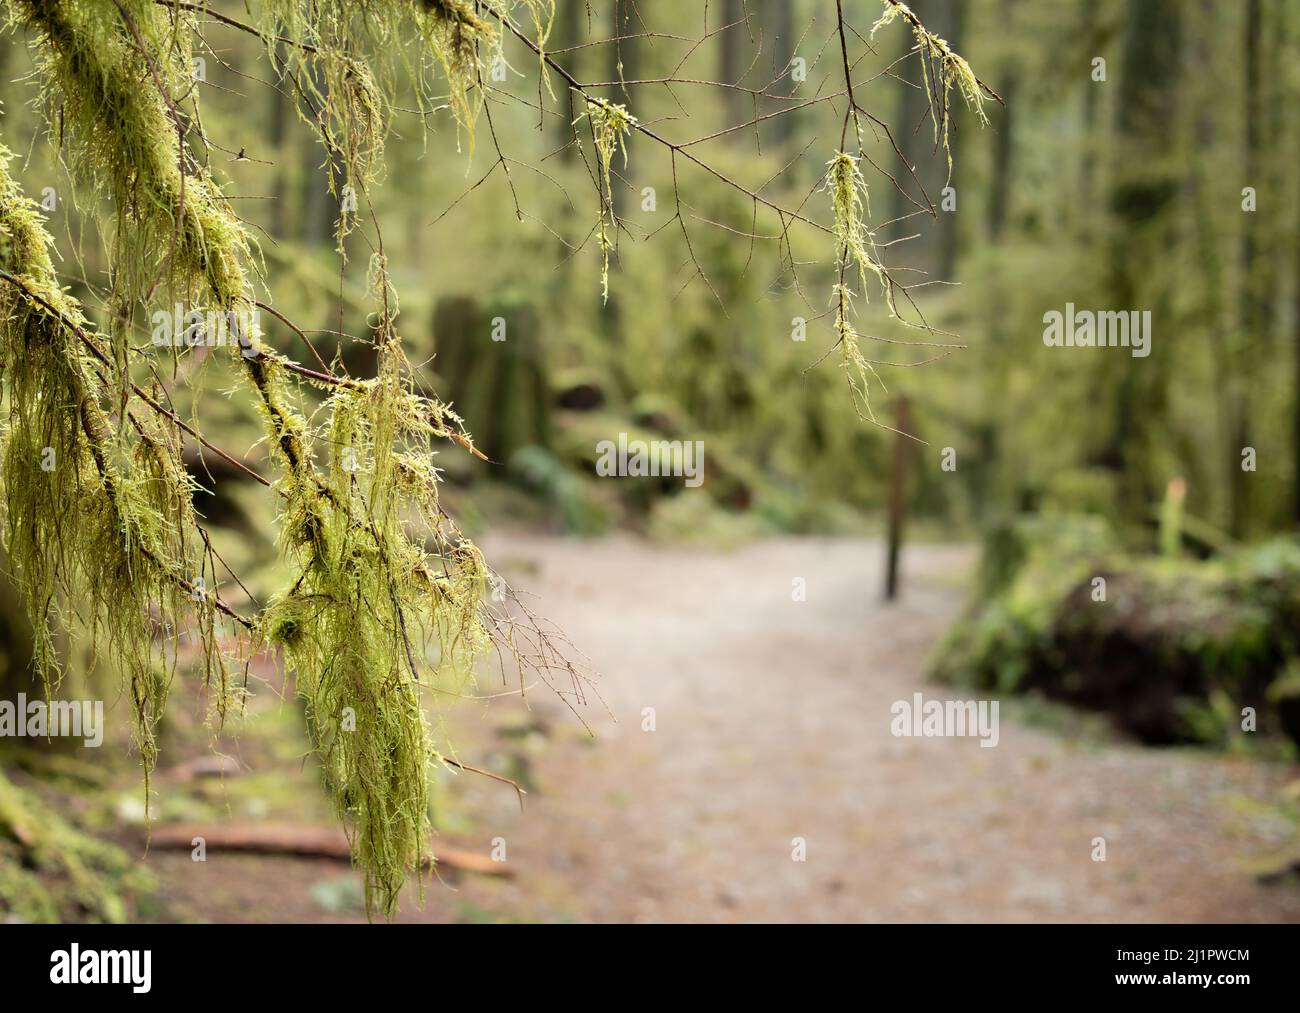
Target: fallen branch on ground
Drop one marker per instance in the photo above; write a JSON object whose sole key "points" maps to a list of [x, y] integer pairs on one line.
{"points": [[304, 839]]}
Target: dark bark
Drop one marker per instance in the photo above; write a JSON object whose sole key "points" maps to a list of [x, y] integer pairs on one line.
{"points": [[897, 497], [1253, 314], [1003, 134], [1145, 186]]}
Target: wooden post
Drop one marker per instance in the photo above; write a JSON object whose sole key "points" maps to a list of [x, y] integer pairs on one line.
{"points": [[897, 494]]}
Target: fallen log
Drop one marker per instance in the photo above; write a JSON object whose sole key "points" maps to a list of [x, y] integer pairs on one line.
{"points": [[304, 839]]}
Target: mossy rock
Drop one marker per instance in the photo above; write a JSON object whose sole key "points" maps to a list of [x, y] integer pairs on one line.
{"points": [[1169, 637], [50, 870]]}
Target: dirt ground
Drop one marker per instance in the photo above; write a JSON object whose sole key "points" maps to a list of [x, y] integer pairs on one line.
{"points": [[771, 725]]}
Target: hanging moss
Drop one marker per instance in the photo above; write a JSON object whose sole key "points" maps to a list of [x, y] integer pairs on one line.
{"points": [[385, 596], [368, 606], [850, 207], [941, 71], [610, 124], [99, 532], [855, 251], [345, 98]]}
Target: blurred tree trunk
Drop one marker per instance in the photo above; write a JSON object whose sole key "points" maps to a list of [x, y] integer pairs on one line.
{"points": [[1088, 163], [570, 25], [15, 639], [993, 476], [1210, 257], [624, 64], [505, 383], [948, 236], [913, 139], [1295, 385], [935, 249], [779, 39], [1145, 183], [1275, 99], [1253, 311], [320, 210], [281, 113], [5, 52], [733, 62], [898, 495], [1003, 135]]}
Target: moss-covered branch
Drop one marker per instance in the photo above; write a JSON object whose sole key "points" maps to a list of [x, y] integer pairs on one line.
{"points": [[367, 605]]}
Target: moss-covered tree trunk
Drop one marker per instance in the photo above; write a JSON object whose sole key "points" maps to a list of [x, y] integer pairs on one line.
{"points": [[493, 367]]}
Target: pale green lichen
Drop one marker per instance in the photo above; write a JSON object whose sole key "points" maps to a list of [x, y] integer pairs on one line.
{"points": [[855, 246], [369, 603], [858, 370], [854, 241], [99, 532], [941, 71], [611, 124]]}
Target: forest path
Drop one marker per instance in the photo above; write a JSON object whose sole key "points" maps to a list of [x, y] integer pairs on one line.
{"points": [[772, 722]]}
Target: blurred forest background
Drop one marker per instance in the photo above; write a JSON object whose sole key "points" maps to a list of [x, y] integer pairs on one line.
{"points": [[1147, 158]]}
